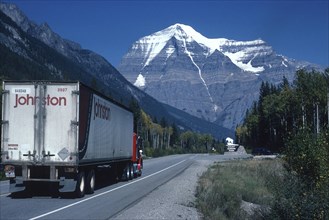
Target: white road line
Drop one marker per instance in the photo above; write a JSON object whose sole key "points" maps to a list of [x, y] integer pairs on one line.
{"points": [[95, 196]]}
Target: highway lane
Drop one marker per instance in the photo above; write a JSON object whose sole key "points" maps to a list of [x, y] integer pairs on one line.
{"points": [[105, 203]]}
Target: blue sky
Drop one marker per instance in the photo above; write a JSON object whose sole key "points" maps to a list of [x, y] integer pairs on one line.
{"points": [[297, 29]]}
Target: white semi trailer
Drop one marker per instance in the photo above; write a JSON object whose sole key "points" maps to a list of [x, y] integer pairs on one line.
{"points": [[63, 132]]}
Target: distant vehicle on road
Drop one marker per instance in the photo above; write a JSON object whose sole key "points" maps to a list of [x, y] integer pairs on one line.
{"points": [[230, 146], [261, 151]]}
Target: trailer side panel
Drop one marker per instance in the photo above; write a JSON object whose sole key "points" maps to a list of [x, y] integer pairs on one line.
{"points": [[105, 129]]}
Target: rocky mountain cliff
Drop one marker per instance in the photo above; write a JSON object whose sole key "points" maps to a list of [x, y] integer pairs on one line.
{"points": [[34, 52], [213, 79]]}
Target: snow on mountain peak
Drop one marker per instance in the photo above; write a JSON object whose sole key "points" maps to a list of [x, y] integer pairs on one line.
{"points": [[157, 41], [153, 44], [140, 81]]}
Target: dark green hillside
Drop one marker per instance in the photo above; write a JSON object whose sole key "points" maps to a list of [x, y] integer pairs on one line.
{"points": [[12, 66], [33, 59]]}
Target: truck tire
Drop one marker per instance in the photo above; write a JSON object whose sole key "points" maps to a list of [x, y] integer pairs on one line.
{"points": [[90, 182], [131, 171], [126, 173], [80, 187], [135, 170]]}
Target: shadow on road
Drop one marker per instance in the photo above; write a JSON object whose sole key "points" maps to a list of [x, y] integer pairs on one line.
{"points": [[46, 189]]}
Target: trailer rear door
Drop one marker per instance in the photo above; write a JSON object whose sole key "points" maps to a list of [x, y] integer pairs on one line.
{"points": [[39, 123]]}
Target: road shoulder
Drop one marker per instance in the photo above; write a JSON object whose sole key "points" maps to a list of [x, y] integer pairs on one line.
{"points": [[173, 200]]}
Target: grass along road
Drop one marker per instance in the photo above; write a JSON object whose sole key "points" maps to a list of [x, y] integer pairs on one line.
{"points": [[260, 189], [238, 189]]}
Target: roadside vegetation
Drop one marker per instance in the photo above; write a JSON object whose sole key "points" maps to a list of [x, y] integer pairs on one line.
{"points": [[160, 138], [225, 187], [291, 119], [285, 110], [260, 189]]}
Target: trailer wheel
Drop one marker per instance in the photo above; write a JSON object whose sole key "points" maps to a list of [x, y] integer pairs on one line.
{"points": [[90, 182], [80, 187], [135, 170], [126, 173], [131, 169]]}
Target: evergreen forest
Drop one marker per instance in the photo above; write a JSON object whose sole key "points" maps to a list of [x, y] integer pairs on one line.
{"points": [[286, 110]]}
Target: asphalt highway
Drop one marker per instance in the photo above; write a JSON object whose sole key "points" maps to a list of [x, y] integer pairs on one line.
{"points": [[107, 201]]}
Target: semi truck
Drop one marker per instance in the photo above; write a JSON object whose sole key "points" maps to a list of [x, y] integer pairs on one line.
{"points": [[64, 132]]}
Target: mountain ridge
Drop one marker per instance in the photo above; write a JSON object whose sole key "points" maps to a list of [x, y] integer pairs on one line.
{"points": [[187, 33]]}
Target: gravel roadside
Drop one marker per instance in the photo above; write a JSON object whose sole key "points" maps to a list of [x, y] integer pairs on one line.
{"points": [[173, 200]]}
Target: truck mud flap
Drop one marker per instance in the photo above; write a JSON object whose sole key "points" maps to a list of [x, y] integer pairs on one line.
{"points": [[67, 185], [16, 185]]}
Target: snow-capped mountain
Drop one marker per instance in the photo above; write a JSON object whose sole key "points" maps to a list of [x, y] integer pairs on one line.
{"points": [[214, 79]]}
